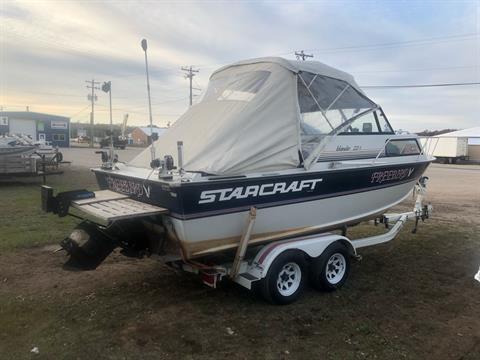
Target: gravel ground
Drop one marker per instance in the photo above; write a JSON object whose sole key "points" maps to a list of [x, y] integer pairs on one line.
{"points": [[455, 187], [412, 298], [86, 157]]}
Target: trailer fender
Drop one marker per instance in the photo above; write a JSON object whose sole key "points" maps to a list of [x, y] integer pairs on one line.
{"points": [[313, 246]]}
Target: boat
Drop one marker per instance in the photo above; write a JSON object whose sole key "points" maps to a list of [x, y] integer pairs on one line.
{"points": [[15, 156], [20, 155], [11, 146], [299, 141]]}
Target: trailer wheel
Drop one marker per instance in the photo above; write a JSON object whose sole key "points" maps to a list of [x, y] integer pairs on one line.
{"points": [[285, 280], [330, 270]]}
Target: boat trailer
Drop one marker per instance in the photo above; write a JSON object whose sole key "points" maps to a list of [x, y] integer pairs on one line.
{"points": [[278, 270]]}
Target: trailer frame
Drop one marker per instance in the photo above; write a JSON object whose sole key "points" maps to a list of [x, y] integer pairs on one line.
{"points": [[251, 270]]}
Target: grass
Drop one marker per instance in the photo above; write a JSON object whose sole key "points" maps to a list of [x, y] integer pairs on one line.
{"points": [[23, 223], [413, 298]]}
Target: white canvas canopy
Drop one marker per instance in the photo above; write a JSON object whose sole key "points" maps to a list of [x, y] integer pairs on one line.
{"points": [[261, 115]]}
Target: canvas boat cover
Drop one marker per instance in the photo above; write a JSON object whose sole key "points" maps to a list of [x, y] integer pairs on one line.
{"points": [[261, 115]]}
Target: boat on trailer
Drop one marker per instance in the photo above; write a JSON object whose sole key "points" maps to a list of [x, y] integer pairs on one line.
{"points": [[21, 156], [10, 145], [298, 142]]}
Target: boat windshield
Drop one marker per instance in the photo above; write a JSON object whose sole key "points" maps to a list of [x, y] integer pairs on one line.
{"points": [[327, 105], [240, 87]]}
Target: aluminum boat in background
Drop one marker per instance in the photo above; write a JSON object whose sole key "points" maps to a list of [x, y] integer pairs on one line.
{"points": [[10, 145], [20, 155]]}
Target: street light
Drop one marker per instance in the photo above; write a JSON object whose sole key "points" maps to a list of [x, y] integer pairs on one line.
{"points": [[152, 148], [107, 87]]}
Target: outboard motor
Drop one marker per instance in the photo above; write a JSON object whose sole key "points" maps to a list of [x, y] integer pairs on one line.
{"points": [[87, 246]]}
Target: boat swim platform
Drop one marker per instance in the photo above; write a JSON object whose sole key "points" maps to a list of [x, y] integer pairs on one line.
{"points": [[110, 206]]}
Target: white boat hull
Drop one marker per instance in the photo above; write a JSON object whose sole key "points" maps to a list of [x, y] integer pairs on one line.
{"points": [[195, 235]]}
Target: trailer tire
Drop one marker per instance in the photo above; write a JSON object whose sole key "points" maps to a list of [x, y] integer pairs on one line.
{"points": [[330, 270], [285, 279]]}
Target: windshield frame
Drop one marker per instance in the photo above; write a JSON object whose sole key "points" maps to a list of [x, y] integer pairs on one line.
{"points": [[328, 137]]}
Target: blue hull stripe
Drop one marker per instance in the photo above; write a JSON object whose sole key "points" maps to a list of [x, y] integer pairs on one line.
{"points": [[211, 198]]}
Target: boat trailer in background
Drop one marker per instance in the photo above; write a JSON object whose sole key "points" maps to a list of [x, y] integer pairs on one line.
{"points": [[35, 163]]}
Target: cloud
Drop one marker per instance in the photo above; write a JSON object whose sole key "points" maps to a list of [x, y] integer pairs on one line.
{"points": [[50, 48]]}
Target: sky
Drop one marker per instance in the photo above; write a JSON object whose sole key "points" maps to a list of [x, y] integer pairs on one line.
{"points": [[48, 49]]}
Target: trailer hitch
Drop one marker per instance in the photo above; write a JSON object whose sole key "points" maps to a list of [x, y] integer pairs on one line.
{"points": [[423, 215], [381, 220], [422, 212], [61, 203]]}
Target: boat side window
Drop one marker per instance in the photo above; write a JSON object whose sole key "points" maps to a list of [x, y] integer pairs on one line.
{"points": [[369, 124], [240, 87], [402, 147], [366, 124], [325, 104]]}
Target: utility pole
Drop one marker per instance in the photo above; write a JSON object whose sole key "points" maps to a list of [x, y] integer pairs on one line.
{"points": [[190, 73], [302, 55], [92, 97]]}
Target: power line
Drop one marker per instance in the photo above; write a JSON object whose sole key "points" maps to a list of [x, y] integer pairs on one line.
{"points": [[418, 85], [135, 112], [80, 111], [353, 48], [198, 87], [432, 40], [160, 103], [415, 70], [170, 101]]}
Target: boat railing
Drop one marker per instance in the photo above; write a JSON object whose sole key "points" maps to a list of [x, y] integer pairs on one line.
{"points": [[428, 146], [383, 150]]}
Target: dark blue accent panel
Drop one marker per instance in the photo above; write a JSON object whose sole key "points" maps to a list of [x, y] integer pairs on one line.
{"points": [[200, 199]]}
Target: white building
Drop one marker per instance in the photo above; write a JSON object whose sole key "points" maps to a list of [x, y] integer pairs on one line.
{"points": [[472, 136]]}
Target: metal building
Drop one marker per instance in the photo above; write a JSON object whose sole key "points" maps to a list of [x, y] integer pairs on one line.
{"points": [[40, 127], [472, 136]]}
